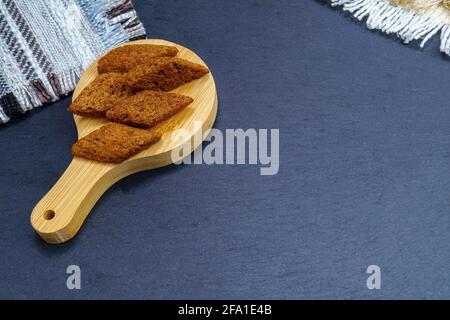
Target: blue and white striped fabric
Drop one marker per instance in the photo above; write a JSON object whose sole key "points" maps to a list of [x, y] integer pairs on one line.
{"points": [[45, 45]]}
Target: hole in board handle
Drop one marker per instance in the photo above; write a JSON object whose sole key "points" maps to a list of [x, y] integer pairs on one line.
{"points": [[49, 214]]}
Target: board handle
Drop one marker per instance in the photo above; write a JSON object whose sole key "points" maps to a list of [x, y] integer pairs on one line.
{"points": [[61, 212]]}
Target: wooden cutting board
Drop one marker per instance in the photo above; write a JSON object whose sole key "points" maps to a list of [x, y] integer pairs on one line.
{"points": [[62, 211]]}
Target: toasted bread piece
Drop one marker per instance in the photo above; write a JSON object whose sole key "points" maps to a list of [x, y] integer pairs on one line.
{"points": [[100, 95], [164, 74], [125, 58], [147, 108], [113, 143]]}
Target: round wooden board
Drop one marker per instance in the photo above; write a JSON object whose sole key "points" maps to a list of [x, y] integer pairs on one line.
{"points": [[62, 211]]}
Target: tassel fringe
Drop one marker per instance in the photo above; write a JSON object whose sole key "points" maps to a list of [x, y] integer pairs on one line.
{"points": [[406, 24]]}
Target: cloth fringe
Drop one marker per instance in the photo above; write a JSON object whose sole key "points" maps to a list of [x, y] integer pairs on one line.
{"points": [[405, 23], [105, 24]]}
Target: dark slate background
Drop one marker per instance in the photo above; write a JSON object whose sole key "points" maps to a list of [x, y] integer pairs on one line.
{"points": [[364, 179]]}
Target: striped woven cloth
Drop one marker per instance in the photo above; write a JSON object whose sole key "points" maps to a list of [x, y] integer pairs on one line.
{"points": [[45, 45]]}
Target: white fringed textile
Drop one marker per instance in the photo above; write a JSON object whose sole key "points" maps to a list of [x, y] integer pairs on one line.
{"points": [[409, 20]]}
